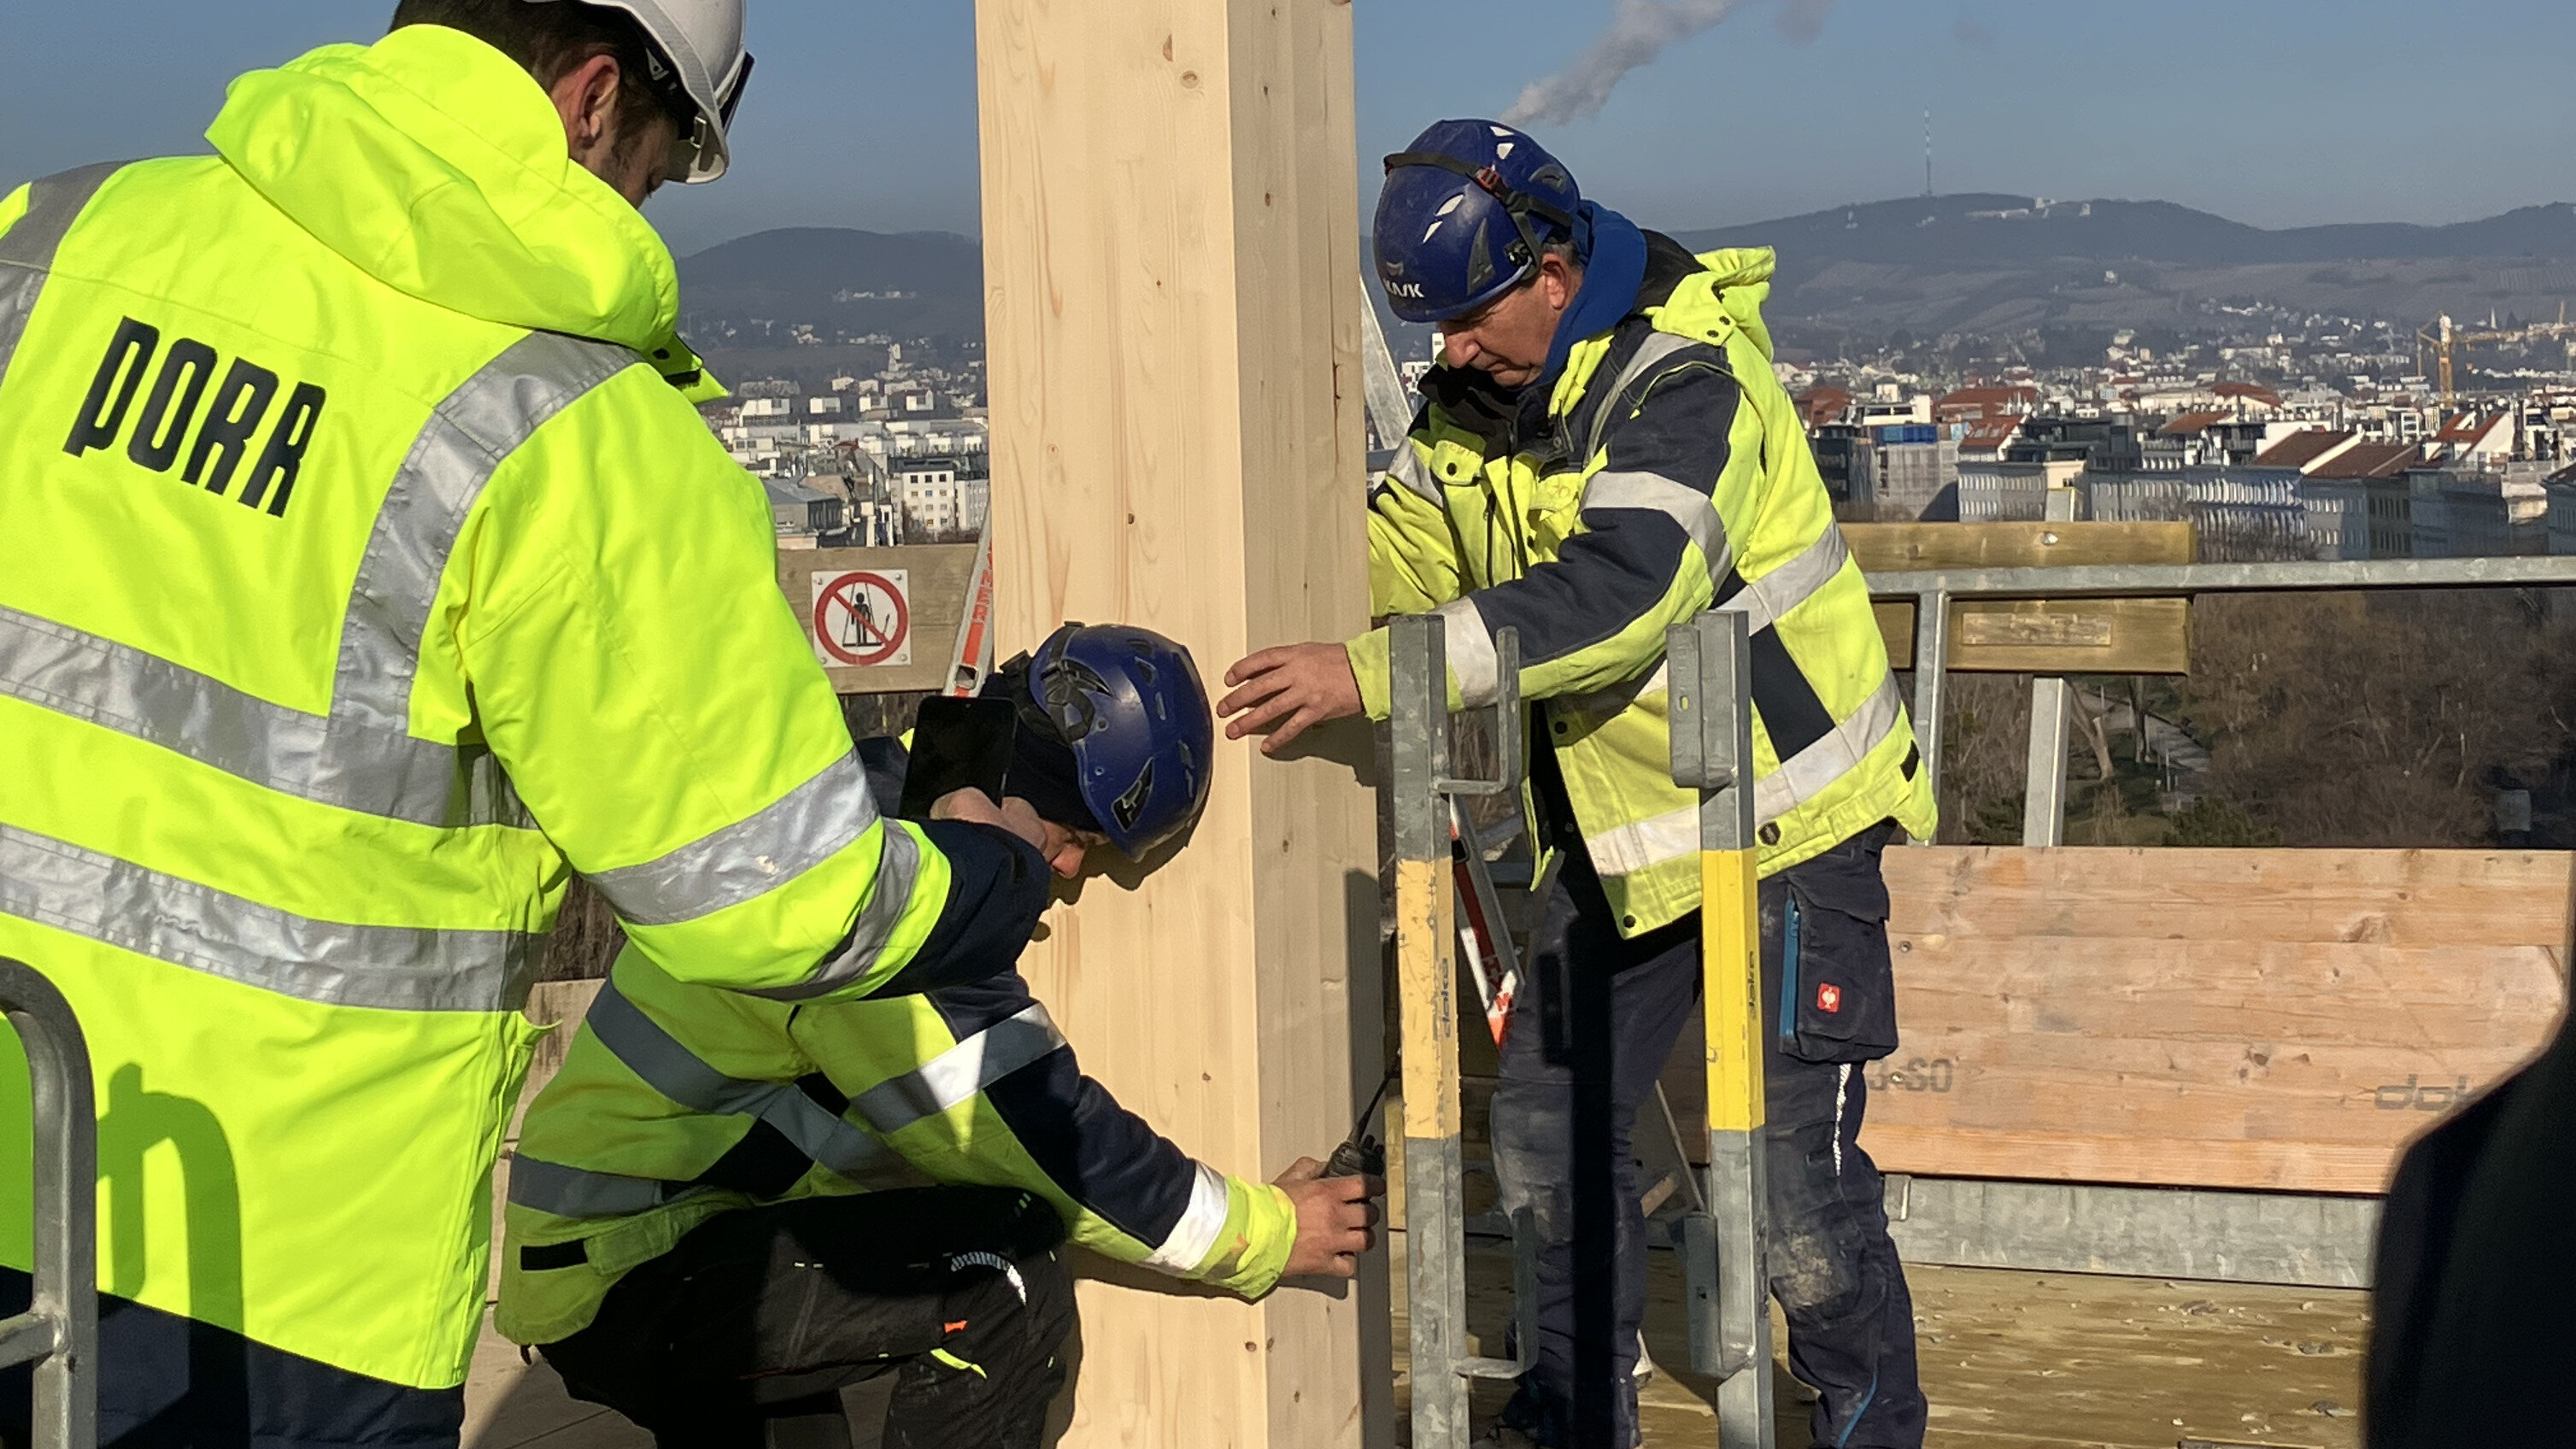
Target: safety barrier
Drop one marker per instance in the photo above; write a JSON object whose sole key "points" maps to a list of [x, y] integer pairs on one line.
{"points": [[59, 1331]]}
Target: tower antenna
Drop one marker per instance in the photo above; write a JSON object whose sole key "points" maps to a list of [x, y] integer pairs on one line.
{"points": [[1927, 151]]}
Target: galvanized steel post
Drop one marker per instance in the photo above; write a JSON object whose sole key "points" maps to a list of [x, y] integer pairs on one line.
{"points": [[2043, 809], [1426, 943], [59, 1331], [1710, 660]]}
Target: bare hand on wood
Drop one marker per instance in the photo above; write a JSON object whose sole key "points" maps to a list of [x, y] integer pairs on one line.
{"points": [[1288, 690]]}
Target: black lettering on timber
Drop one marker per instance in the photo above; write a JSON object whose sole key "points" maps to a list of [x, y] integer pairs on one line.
{"points": [[98, 423], [1937, 1075], [2415, 1096], [224, 430]]}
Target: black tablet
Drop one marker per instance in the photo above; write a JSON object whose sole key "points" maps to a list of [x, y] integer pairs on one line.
{"points": [[957, 744]]}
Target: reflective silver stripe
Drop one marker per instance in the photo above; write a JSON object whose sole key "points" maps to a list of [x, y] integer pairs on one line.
{"points": [[960, 1072], [1685, 505], [313, 757], [670, 1068], [1187, 1245], [1407, 469], [119, 903], [1627, 849], [1766, 600], [360, 756], [1472, 661], [749, 858], [27, 248], [463, 444], [898, 870], [1650, 354], [1807, 774], [578, 1192]]}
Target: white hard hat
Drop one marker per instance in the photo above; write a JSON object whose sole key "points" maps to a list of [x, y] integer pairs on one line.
{"points": [[702, 42]]}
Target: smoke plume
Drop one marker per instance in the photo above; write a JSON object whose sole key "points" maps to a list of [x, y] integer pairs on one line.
{"points": [[1639, 31]]}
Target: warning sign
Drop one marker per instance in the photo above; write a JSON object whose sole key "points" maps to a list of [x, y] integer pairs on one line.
{"points": [[863, 617]]}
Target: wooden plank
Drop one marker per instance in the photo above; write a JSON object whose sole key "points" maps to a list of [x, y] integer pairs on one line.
{"points": [[1903, 547], [934, 576], [1172, 288], [2269, 1019], [2051, 636], [2391, 897]]}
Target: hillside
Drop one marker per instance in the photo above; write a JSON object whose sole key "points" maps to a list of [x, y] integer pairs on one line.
{"points": [[1994, 263], [1967, 263], [816, 275], [1986, 229]]}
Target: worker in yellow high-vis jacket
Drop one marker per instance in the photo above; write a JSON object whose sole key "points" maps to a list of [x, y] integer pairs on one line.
{"points": [[837, 1223], [1604, 452], [367, 572]]}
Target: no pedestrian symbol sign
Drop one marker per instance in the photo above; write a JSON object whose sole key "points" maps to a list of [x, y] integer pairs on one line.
{"points": [[862, 617]]}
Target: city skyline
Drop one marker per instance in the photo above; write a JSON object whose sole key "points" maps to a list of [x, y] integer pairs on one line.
{"points": [[2297, 113]]}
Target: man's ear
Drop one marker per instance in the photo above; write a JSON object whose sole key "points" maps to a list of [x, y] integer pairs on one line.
{"points": [[586, 98], [1561, 280]]}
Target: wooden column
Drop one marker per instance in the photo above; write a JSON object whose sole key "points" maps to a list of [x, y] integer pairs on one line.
{"points": [[1172, 300]]}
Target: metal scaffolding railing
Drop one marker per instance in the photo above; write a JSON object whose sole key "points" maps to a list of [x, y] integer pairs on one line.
{"points": [[59, 1331], [2044, 800]]}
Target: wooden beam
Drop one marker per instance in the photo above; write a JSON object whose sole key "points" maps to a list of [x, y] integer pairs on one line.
{"points": [[1172, 296], [1901, 547], [2033, 636], [2275, 1019], [2051, 636]]}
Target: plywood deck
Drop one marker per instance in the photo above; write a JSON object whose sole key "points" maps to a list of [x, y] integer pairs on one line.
{"points": [[2043, 1361], [2010, 1361]]}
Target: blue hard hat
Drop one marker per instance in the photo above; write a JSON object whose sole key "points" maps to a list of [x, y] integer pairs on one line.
{"points": [[1463, 214], [1129, 703]]}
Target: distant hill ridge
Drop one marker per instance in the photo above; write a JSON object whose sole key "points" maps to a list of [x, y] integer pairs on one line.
{"points": [[2018, 249], [1987, 228]]}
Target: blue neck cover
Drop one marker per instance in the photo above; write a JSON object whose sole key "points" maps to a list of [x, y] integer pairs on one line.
{"points": [[1614, 267]]}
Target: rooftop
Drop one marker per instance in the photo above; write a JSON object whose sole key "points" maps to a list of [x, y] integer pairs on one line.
{"points": [[2190, 425], [2249, 391], [1971, 403], [2369, 460], [2300, 449]]}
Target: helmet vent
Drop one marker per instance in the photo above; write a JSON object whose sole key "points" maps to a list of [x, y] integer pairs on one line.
{"points": [[1130, 807]]}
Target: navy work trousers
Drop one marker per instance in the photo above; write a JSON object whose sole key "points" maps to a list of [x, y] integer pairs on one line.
{"points": [[1595, 1024]]}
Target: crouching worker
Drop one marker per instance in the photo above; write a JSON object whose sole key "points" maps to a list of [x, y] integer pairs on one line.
{"points": [[748, 1221]]}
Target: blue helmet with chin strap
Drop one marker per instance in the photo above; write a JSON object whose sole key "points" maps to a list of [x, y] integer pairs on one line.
{"points": [[1129, 704], [1463, 215]]}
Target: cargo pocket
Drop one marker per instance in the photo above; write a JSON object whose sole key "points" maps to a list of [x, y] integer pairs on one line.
{"points": [[1837, 986]]}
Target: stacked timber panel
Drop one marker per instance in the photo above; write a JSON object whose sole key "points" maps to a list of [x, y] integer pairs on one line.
{"points": [[2283, 1020], [1172, 280], [2277, 1019]]}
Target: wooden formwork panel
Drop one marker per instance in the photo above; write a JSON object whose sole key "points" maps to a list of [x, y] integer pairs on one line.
{"points": [[1898, 547], [2274, 1019], [2036, 636]]}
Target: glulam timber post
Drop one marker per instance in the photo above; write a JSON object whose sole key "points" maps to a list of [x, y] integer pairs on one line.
{"points": [[1171, 251]]}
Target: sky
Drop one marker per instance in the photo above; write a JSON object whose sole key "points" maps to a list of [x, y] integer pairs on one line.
{"points": [[2275, 112]]}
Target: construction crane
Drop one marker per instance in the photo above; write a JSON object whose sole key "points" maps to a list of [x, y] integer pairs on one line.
{"points": [[2445, 339]]}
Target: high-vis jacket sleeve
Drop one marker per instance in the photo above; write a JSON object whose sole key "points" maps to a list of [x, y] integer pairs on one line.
{"points": [[1008, 1105], [615, 606], [1651, 552], [1413, 544]]}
